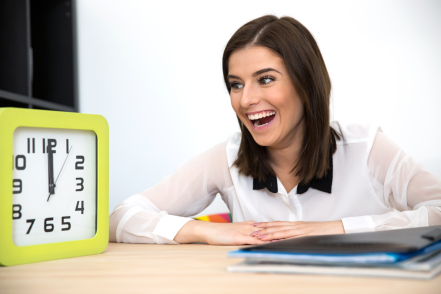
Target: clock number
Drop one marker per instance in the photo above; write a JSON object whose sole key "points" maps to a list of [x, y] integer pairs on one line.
{"points": [[30, 227], [78, 208], [80, 184], [51, 144], [47, 226], [77, 164], [17, 183], [29, 145], [23, 162], [16, 211], [65, 223]]}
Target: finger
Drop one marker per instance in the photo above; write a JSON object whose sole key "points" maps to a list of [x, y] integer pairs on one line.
{"points": [[272, 230], [298, 236], [251, 241], [255, 241], [280, 235], [273, 224]]}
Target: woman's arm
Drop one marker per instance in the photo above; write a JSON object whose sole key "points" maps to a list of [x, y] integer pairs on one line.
{"points": [[160, 214], [157, 214], [218, 233], [412, 191]]}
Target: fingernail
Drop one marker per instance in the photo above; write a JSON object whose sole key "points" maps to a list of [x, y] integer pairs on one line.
{"points": [[255, 224], [254, 233], [261, 236]]}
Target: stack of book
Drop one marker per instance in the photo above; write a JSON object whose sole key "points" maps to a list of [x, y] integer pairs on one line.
{"points": [[407, 253]]}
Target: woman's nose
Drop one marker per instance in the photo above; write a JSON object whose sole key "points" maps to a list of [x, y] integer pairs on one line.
{"points": [[250, 96]]}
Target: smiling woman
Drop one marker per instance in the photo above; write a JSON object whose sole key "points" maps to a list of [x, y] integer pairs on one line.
{"points": [[283, 65], [289, 173]]}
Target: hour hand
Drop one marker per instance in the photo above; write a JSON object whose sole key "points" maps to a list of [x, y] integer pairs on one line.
{"points": [[50, 159], [51, 165]]}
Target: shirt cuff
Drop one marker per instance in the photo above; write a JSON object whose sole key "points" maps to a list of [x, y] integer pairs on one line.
{"points": [[358, 224], [167, 228]]}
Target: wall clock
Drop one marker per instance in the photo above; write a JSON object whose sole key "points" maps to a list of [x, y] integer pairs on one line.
{"points": [[54, 185]]}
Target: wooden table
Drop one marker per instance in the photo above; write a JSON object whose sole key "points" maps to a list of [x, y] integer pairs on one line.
{"points": [[193, 268]]}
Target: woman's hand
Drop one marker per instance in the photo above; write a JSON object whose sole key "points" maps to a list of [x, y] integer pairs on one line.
{"points": [[273, 231], [218, 233]]}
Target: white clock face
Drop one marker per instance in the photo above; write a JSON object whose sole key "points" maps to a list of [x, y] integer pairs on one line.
{"points": [[54, 192]]}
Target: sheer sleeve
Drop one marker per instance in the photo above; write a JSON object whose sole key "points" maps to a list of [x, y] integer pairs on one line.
{"points": [[157, 214], [412, 192]]}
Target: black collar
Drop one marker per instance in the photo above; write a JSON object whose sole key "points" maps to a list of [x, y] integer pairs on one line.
{"points": [[324, 184]]}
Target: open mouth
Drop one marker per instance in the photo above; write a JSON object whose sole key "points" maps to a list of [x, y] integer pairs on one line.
{"points": [[262, 119]]}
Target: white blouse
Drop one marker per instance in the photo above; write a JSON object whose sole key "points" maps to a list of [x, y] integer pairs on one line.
{"points": [[375, 186]]}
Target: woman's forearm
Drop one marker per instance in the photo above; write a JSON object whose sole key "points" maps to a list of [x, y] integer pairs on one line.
{"points": [[218, 233], [192, 232]]}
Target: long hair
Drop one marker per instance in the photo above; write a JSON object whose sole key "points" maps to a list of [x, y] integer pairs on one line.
{"points": [[303, 60]]}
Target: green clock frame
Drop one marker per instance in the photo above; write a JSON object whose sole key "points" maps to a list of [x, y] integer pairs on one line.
{"points": [[12, 118]]}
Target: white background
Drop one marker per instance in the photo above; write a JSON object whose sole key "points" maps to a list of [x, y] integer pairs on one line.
{"points": [[153, 69]]}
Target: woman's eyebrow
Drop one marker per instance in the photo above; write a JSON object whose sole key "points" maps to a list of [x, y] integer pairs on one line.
{"points": [[264, 70], [256, 73], [233, 77]]}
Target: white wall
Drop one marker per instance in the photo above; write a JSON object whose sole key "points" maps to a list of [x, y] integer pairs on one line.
{"points": [[153, 69]]}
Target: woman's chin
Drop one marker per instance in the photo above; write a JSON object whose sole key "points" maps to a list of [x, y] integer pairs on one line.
{"points": [[263, 141]]}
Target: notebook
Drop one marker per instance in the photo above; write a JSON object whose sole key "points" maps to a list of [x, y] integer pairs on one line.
{"points": [[372, 248], [396, 241], [424, 267]]}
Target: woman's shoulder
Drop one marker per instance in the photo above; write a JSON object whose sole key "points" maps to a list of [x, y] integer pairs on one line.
{"points": [[234, 138], [354, 133], [232, 147]]}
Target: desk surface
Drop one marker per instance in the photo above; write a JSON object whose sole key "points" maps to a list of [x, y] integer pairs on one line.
{"points": [[193, 268]]}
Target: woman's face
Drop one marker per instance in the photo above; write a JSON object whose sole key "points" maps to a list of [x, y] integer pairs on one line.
{"points": [[264, 97]]}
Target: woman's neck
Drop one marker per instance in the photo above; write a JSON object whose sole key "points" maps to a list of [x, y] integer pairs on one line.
{"points": [[284, 156]]}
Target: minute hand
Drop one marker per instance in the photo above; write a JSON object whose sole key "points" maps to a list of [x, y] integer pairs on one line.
{"points": [[60, 171]]}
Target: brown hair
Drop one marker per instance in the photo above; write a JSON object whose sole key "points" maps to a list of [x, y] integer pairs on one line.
{"points": [[303, 60]]}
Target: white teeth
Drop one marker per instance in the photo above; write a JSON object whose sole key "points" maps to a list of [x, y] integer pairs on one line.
{"points": [[260, 115]]}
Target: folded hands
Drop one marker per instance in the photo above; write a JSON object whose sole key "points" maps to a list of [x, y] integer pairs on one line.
{"points": [[280, 230], [253, 233]]}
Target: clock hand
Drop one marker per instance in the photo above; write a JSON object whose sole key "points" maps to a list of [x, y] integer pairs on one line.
{"points": [[63, 163], [60, 170], [50, 159]]}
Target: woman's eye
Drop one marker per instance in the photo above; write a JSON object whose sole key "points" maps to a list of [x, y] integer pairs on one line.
{"points": [[266, 80], [236, 86]]}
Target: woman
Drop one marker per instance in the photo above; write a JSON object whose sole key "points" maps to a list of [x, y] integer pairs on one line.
{"points": [[289, 173]]}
